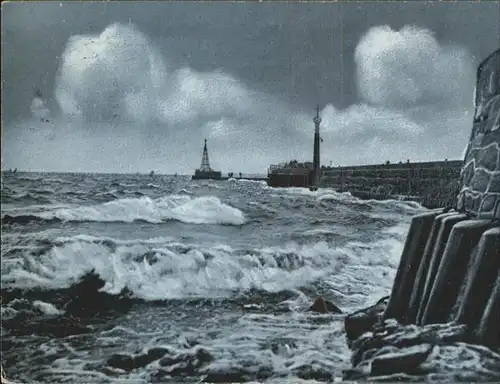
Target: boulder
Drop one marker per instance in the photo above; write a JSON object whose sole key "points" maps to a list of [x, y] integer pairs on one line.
{"points": [[406, 360], [364, 320], [321, 305], [131, 362]]}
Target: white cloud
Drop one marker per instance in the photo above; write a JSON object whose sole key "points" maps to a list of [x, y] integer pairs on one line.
{"points": [[116, 74], [366, 120], [410, 67], [125, 108]]}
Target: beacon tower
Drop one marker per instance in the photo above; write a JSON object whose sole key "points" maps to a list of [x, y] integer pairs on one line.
{"points": [[316, 165], [205, 172]]}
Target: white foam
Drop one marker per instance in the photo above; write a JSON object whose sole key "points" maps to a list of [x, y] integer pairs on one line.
{"points": [[319, 231], [46, 308], [328, 194], [197, 210], [248, 181], [160, 269]]}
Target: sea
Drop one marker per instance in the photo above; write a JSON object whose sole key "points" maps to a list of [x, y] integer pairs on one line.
{"points": [[136, 279]]}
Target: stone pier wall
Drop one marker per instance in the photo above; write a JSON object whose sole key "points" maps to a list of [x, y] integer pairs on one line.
{"points": [[447, 288], [434, 184]]}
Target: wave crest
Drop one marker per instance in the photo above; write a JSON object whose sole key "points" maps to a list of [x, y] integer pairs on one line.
{"points": [[197, 210], [164, 270]]}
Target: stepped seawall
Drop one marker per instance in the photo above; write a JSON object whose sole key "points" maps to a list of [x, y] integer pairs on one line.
{"points": [[446, 293]]}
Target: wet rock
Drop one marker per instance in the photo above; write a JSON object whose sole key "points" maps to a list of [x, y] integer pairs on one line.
{"points": [[232, 376], [404, 361], [356, 373], [235, 375], [183, 364], [364, 320], [201, 355], [321, 305], [393, 336], [130, 362], [397, 378], [374, 352], [86, 299], [151, 355], [310, 372], [54, 327], [121, 361]]}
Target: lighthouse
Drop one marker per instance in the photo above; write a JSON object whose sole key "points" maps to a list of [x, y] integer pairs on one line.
{"points": [[316, 166], [205, 172]]}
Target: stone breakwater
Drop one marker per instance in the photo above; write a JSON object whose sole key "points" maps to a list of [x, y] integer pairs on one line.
{"points": [[434, 184], [444, 306]]}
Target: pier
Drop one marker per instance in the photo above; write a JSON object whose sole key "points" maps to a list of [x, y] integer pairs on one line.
{"points": [[434, 184]]}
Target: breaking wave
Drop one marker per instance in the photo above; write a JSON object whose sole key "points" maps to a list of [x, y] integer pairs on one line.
{"points": [[198, 210], [159, 269]]}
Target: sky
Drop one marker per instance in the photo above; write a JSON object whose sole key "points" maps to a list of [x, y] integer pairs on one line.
{"points": [[137, 86]]}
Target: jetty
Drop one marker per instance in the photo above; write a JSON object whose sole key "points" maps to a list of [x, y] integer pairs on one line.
{"points": [[446, 292], [434, 184]]}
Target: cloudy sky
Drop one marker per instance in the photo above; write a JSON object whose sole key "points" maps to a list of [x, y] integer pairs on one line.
{"points": [[130, 86]]}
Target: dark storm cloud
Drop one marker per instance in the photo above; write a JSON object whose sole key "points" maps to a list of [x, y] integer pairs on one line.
{"points": [[245, 74]]}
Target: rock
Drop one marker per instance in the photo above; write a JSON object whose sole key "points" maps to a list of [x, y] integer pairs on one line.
{"points": [[233, 376], [371, 344], [406, 360], [151, 355], [312, 372], [352, 374], [183, 364], [130, 362], [397, 378], [364, 320], [321, 305], [200, 354], [364, 344], [55, 327], [86, 298], [374, 352], [121, 361]]}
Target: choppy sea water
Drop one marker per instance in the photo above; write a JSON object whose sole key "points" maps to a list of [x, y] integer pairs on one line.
{"points": [[219, 274]]}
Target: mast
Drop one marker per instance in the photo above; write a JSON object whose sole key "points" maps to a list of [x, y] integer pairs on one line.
{"points": [[316, 165], [205, 164]]}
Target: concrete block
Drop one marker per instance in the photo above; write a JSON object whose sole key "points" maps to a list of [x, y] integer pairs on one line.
{"points": [[480, 279], [488, 203], [435, 260], [464, 237], [411, 257], [488, 331], [423, 268]]}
